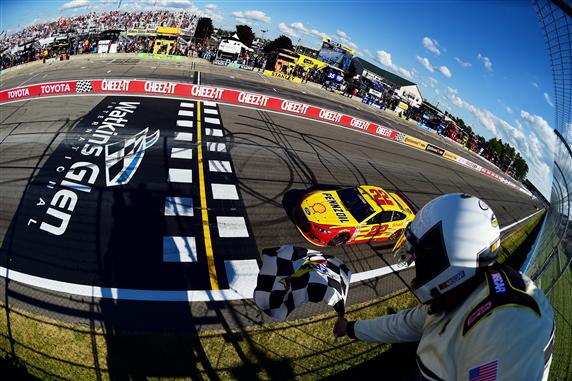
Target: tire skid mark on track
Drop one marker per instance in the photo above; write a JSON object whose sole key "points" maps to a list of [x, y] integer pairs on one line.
{"points": [[276, 131]]}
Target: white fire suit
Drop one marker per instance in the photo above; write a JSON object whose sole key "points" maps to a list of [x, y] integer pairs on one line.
{"points": [[497, 332]]}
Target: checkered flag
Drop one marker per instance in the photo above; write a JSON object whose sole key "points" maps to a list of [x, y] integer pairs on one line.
{"points": [[291, 276], [83, 87]]}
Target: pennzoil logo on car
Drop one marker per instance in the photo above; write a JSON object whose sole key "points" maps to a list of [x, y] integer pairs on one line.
{"points": [[336, 207]]}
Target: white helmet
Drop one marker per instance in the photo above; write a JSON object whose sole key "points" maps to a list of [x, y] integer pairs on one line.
{"points": [[450, 237]]}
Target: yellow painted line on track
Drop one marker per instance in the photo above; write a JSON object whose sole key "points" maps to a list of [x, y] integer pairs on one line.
{"points": [[205, 215]]}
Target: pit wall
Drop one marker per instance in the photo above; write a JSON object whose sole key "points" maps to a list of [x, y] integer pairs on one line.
{"points": [[219, 94]]}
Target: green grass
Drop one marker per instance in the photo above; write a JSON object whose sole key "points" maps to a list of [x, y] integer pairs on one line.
{"points": [[35, 346], [516, 246], [561, 301], [303, 349]]}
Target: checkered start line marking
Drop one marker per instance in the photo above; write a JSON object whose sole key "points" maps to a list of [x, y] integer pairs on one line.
{"points": [[184, 248]]}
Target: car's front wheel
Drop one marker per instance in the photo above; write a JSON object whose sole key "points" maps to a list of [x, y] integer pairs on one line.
{"points": [[339, 240]]}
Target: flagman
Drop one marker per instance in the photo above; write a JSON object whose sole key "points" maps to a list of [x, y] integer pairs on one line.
{"points": [[479, 320]]}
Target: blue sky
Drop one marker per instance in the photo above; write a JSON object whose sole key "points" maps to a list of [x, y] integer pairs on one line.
{"points": [[484, 61]]}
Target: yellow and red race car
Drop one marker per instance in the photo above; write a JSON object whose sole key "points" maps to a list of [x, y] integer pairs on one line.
{"points": [[353, 215]]}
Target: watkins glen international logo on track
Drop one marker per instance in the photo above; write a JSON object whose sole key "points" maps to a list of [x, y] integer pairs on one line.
{"points": [[105, 146], [123, 158]]}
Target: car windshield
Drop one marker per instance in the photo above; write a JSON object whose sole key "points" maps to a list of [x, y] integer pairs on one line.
{"points": [[355, 203]]}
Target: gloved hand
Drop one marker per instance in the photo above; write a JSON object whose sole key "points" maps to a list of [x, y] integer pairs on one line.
{"points": [[340, 327]]}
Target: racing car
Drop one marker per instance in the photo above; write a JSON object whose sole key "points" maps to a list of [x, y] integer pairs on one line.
{"points": [[353, 215]]}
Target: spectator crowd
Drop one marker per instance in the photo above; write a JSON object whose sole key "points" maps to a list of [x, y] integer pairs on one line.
{"points": [[98, 22], [82, 32]]}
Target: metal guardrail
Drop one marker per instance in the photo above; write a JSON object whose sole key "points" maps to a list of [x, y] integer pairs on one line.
{"points": [[548, 263], [552, 253]]}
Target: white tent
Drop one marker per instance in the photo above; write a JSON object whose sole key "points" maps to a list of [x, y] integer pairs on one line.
{"points": [[232, 46]]}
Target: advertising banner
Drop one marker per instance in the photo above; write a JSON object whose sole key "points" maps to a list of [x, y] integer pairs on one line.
{"points": [[414, 142], [387, 132], [335, 54], [433, 149], [375, 93], [450, 156], [283, 76]]}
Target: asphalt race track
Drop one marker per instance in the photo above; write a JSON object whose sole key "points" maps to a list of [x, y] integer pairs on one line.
{"points": [[185, 216]]}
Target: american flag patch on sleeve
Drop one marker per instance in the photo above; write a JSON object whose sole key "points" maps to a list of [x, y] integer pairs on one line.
{"points": [[485, 372]]}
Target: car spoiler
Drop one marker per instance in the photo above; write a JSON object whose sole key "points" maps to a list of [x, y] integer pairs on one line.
{"points": [[407, 201]]}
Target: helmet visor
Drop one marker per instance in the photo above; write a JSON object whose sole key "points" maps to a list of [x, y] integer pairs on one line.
{"points": [[430, 255]]}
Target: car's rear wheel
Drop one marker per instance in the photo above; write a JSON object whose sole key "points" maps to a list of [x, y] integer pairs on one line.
{"points": [[396, 235], [339, 240]]}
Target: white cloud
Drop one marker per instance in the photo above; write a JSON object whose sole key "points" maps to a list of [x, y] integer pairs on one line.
{"points": [[172, 3], [534, 84], [452, 90], [213, 12], [317, 33], [431, 45], [445, 71], [344, 38], [426, 64], [287, 30], [352, 44], [539, 125], [299, 26], [406, 73], [531, 136], [385, 59], [509, 110], [342, 34], [486, 62], [252, 15], [243, 20], [436, 91], [432, 81], [547, 99], [463, 63], [485, 117], [368, 53], [74, 4]]}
